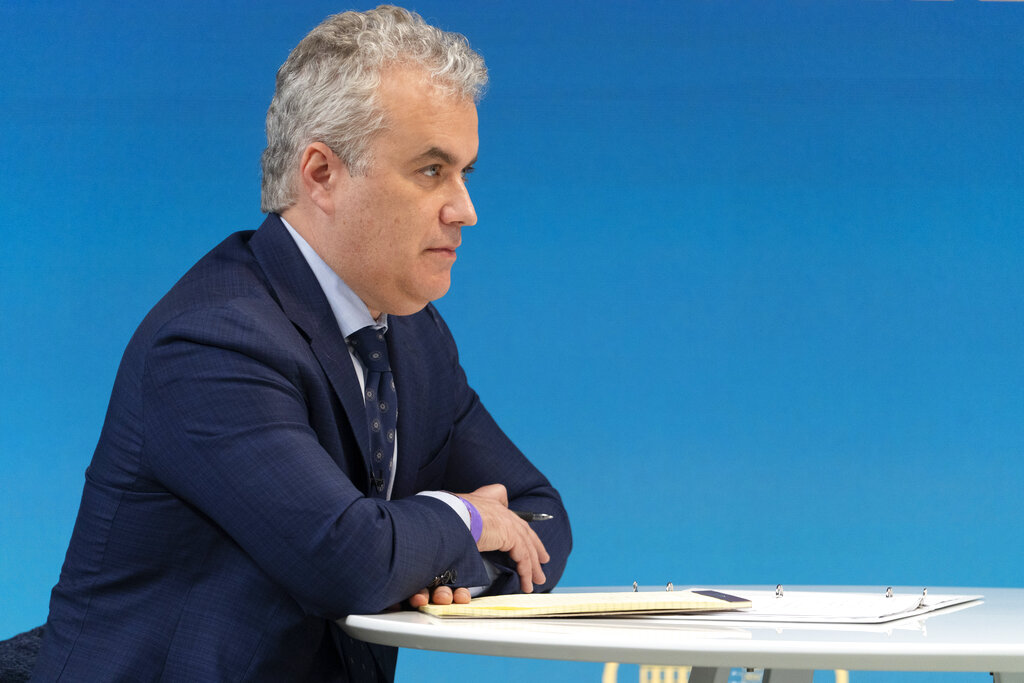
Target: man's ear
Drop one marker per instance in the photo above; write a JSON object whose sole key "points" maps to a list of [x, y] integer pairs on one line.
{"points": [[320, 171]]}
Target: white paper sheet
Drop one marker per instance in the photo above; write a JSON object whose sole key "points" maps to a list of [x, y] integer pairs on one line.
{"points": [[828, 608]]}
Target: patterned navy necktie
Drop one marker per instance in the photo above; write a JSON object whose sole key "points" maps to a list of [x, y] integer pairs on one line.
{"points": [[381, 404]]}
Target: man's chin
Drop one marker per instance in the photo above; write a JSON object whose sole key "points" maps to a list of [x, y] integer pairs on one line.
{"points": [[439, 289], [415, 305]]}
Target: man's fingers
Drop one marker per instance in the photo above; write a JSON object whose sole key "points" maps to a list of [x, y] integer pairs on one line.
{"points": [[442, 596], [504, 530], [419, 599], [528, 552], [530, 573], [525, 569], [538, 555], [542, 552]]}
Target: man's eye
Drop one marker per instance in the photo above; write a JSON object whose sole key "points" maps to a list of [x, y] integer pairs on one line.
{"points": [[466, 171], [431, 171]]}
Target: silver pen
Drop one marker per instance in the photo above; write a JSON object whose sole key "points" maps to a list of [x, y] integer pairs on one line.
{"points": [[534, 516]]}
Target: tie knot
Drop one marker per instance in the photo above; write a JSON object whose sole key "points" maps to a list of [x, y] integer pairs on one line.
{"points": [[369, 345]]}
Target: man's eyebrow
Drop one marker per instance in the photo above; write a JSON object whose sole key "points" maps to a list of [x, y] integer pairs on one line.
{"points": [[441, 155]]}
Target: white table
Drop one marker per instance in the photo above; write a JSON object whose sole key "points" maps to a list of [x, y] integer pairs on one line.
{"points": [[986, 636]]}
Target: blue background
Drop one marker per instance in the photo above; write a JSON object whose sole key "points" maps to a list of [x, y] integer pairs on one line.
{"points": [[746, 283]]}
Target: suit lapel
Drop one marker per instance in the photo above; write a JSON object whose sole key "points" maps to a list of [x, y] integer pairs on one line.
{"points": [[304, 302]]}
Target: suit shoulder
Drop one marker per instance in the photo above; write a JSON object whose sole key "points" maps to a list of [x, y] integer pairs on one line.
{"points": [[224, 293]]}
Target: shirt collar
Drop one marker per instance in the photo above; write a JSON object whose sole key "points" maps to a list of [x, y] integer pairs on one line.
{"points": [[349, 310]]}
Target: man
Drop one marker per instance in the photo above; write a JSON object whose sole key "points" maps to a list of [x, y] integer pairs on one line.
{"points": [[252, 483]]}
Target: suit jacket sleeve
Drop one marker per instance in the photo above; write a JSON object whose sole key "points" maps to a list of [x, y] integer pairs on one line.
{"points": [[227, 406]]}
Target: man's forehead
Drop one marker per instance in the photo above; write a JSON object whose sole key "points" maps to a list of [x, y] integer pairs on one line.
{"points": [[414, 133], [405, 75], [408, 90]]}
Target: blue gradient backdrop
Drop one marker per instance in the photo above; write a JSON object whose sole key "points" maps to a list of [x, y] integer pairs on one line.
{"points": [[746, 284]]}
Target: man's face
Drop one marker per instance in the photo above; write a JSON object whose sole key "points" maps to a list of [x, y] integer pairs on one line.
{"points": [[395, 229]]}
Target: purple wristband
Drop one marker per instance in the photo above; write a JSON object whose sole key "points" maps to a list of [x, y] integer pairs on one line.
{"points": [[476, 522]]}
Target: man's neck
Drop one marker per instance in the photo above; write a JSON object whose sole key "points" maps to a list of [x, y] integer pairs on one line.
{"points": [[349, 309]]}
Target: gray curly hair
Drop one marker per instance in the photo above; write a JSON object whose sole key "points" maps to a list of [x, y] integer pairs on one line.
{"points": [[327, 88]]}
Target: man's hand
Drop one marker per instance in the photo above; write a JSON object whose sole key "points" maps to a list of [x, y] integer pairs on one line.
{"points": [[504, 530]]}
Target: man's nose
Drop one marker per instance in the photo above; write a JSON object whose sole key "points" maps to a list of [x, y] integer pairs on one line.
{"points": [[459, 207]]}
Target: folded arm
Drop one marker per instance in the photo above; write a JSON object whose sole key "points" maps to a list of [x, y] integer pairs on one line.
{"points": [[228, 430]]}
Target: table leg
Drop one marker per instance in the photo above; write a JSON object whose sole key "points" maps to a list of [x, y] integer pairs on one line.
{"points": [[708, 674], [788, 676]]}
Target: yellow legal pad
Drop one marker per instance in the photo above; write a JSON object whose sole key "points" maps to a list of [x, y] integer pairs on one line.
{"points": [[590, 604]]}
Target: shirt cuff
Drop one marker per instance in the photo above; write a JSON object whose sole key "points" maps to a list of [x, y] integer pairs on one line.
{"points": [[469, 514], [454, 502]]}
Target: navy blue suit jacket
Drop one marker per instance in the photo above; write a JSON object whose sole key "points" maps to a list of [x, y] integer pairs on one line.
{"points": [[224, 524]]}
